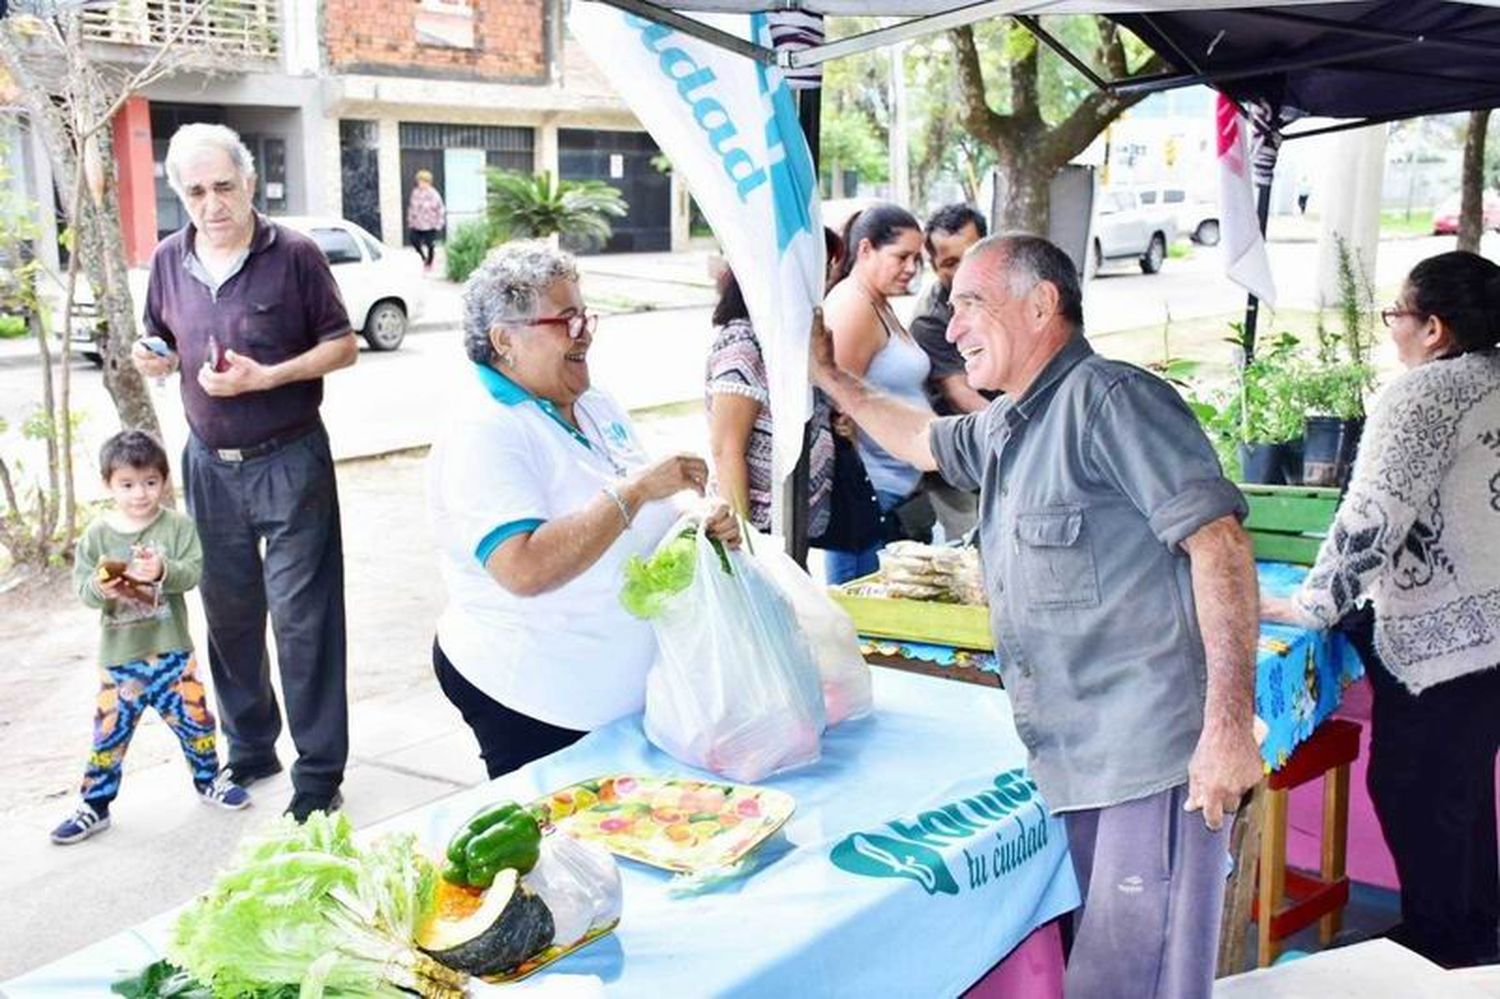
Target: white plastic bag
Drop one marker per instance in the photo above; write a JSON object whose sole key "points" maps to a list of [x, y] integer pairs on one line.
{"points": [[835, 643], [580, 884], [735, 687]]}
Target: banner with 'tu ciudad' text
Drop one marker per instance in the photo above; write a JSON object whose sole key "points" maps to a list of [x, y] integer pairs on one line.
{"points": [[729, 126]]}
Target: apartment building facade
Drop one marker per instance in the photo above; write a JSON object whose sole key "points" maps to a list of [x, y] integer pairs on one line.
{"points": [[342, 101]]}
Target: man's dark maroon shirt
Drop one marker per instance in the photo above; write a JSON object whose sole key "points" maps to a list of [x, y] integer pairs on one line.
{"points": [[281, 302]]}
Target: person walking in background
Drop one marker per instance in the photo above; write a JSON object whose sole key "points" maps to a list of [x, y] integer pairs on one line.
{"points": [[949, 232], [1416, 536], [426, 216], [883, 250], [134, 564], [249, 311]]}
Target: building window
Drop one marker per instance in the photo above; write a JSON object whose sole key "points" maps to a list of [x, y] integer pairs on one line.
{"points": [[447, 24]]}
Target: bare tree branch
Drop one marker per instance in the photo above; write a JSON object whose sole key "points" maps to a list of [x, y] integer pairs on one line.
{"points": [[154, 70], [974, 110]]}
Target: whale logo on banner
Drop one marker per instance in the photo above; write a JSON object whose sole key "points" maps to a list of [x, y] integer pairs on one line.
{"points": [[729, 126]]}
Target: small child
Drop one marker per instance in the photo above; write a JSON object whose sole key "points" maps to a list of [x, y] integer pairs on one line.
{"points": [[134, 563]]}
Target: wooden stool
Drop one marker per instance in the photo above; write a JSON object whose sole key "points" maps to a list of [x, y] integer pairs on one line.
{"points": [[1290, 900]]}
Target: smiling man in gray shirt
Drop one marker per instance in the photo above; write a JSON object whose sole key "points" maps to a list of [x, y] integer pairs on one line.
{"points": [[1122, 597]]}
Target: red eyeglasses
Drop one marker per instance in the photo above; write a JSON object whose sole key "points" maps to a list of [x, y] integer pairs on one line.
{"points": [[576, 324]]}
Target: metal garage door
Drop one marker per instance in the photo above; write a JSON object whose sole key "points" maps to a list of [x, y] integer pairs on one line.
{"points": [[623, 160]]}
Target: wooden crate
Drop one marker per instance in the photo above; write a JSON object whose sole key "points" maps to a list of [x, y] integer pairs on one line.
{"points": [[1288, 523], [960, 625]]}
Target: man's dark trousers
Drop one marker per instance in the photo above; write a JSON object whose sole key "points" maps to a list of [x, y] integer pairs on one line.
{"points": [[288, 500]]}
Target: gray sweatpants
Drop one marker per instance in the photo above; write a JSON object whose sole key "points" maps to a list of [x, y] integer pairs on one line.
{"points": [[288, 502], [1152, 880]]}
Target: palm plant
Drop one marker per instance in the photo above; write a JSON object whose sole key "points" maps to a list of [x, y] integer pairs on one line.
{"points": [[539, 205]]}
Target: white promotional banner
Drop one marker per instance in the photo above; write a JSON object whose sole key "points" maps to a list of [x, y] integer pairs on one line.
{"points": [[729, 126], [1245, 260]]}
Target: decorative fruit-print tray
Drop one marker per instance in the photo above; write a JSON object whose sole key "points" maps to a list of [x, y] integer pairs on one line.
{"points": [[676, 824]]}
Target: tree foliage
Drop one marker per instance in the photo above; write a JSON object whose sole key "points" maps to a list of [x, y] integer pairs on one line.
{"points": [[981, 96], [1033, 110]]}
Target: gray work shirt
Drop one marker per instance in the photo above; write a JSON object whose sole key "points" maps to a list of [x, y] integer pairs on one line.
{"points": [[1088, 484]]}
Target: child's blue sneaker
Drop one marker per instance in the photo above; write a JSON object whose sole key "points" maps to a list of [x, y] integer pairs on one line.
{"points": [[224, 792], [80, 825]]}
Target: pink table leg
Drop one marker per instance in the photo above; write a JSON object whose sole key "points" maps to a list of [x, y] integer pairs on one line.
{"points": [[1033, 970]]}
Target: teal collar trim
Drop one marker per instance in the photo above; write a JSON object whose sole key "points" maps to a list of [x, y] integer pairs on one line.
{"points": [[508, 393]]}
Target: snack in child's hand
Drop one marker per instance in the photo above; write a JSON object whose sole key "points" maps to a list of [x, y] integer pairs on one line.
{"points": [[111, 569]]}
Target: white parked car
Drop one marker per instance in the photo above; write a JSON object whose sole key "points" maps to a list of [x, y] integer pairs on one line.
{"points": [[1196, 217], [383, 289], [1126, 229]]}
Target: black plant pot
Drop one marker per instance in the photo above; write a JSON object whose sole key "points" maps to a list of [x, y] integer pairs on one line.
{"points": [[1271, 464], [1329, 445]]}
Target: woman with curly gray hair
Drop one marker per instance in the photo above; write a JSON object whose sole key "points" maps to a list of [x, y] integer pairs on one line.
{"points": [[540, 493]]}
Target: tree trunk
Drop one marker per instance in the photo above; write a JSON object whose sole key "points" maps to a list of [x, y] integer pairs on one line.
{"points": [[1471, 204], [1029, 150], [1026, 204]]}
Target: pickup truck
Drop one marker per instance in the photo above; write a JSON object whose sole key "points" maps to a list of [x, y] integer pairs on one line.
{"points": [[1126, 229]]}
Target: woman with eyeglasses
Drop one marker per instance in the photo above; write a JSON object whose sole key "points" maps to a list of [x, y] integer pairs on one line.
{"points": [[1418, 535], [540, 492]]}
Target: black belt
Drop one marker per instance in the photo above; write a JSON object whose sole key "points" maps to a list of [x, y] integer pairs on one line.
{"points": [[238, 454]]}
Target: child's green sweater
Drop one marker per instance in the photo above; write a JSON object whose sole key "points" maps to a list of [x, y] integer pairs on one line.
{"points": [[129, 630]]}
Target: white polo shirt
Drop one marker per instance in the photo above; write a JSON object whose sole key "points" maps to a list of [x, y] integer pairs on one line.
{"points": [[507, 464]]}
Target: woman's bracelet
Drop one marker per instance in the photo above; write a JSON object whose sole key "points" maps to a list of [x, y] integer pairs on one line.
{"points": [[620, 503]]}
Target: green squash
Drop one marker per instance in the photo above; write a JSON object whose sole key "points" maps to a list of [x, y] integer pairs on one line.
{"points": [[511, 925]]}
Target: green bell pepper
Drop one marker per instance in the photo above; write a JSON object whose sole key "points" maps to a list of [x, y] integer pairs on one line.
{"points": [[498, 837]]}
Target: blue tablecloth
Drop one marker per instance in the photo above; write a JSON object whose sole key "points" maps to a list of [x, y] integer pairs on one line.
{"points": [[1300, 675], [919, 855]]}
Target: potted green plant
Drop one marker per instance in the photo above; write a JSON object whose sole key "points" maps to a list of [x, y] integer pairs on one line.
{"points": [[1256, 421], [1334, 389], [1333, 397]]}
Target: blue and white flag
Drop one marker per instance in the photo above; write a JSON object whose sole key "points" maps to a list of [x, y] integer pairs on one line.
{"points": [[729, 125]]}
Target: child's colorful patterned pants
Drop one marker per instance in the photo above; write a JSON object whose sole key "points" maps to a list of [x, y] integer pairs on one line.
{"points": [[169, 683]]}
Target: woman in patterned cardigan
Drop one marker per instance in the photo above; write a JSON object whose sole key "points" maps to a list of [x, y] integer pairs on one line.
{"points": [[1417, 535]]}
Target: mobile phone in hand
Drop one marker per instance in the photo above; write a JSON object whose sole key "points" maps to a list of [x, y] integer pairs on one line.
{"points": [[157, 346]]}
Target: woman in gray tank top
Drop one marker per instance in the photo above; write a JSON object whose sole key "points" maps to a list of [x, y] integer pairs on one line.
{"points": [[884, 251]]}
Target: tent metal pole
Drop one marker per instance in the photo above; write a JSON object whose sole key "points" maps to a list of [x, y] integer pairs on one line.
{"points": [[1494, 101], [799, 492], [697, 29], [1034, 26], [906, 30], [1177, 50]]}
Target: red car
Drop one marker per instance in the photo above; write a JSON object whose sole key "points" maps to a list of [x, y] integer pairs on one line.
{"points": [[1445, 219]]}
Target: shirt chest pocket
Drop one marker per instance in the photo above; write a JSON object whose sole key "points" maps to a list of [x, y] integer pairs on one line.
{"points": [[1055, 558], [263, 332]]}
